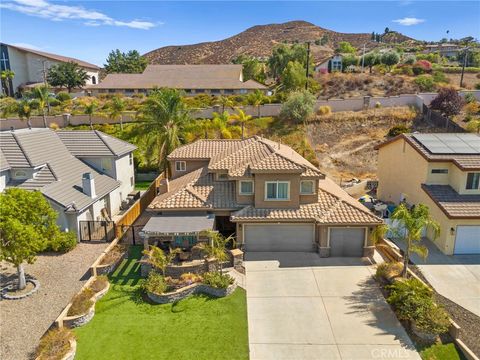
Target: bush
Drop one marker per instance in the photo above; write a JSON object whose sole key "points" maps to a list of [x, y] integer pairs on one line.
{"points": [[422, 67], [190, 278], [55, 344], [99, 283], [448, 101], [298, 107], [324, 110], [65, 242], [54, 102], [113, 255], [433, 320], [389, 270], [469, 98], [81, 303], [155, 283], [63, 96], [477, 86], [440, 77], [472, 108], [425, 83], [397, 130], [410, 60], [217, 280]]}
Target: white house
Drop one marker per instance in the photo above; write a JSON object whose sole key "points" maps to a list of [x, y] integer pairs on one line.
{"points": [[30, 66], [329, 64], [85, 175]]}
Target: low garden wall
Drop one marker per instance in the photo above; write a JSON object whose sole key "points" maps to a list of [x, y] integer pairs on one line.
{"points": [[190, 290]]}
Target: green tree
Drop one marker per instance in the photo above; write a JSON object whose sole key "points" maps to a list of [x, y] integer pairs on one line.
{"points": [[252, 68], [225, 101], [165, 116], [130, 63], [8, 106], [324, 40], [27, 224], [298, 107], [42, 95], [7, 76], [220, 124], [216, 248], [256, 98], [159, 259], [283, 54], [293, 77], [386, 31], [69, 75], [413, 222], [371, 59], [241, 118], [349, 60], [116, 107], [344, 47], [390, 58], [474, 125], [90, 109], [25, 111]]}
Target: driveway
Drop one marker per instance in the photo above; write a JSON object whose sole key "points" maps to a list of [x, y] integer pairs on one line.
{"points": [[456, 277], [301, 306]]}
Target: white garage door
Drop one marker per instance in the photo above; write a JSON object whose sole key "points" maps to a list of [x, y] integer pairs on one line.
{"points": [[347, 242], [467, 240], [279, 237]]}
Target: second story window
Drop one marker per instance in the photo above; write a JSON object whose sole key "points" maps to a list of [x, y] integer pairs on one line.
{"points": [[439, 171], [473, 181], [277, 190], [307, 187], [180, 166], [246, 187]]}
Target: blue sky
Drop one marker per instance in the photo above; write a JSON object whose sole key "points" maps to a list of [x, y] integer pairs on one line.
{"points": [[88, 30]]}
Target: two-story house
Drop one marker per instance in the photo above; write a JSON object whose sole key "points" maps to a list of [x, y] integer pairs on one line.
{"points": [[263, 192], [441, 171], [85, 175]]}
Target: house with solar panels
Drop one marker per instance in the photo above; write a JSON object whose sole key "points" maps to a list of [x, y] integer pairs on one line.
{"points": [[441, 171]]}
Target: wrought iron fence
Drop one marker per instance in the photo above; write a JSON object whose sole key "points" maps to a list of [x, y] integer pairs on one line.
{"points": [[101, 231]]}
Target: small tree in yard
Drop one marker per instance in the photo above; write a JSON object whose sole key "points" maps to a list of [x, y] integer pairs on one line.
{"points": [[390, 58], [159, 259], [371, 59], [217, 246], [242, 118], [69, 75], [298, 107], [89, 109], [414, 221], [27, 224], [448, 102]]}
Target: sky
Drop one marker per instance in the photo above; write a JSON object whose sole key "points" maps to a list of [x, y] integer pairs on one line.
{"points": [[89, 30]]}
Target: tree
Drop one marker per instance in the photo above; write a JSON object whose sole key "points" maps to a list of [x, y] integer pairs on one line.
{"points": [[349, 60], [69, 75], [130, 63], [252, 68], [283, 54], [448, 102], [371, 59], [387, 30], [242, 118], [390, 58], [225, 101], [7, 76], [220, 124], [159, 259], [25, 111], [165, 116], [324, 40], [298, 107], [293, 77], [42, 95], [117, 107], [413, 222], [216, 248], [89, 109], [256, 98], [8, 106], [373, 36], [344, 47], [27, 224]]}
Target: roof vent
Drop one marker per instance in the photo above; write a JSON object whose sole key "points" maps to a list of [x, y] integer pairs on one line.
{"points": [[88, 185]]}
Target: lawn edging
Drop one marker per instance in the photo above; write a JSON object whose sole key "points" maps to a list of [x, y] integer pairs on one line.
{"points": [[192, 289]]}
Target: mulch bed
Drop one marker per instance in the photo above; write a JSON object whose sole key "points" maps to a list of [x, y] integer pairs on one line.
{"points": [[468, 321]]}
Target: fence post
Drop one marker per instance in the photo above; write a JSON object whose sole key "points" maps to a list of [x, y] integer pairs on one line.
{"points": [[105, 234], [89, 231]]}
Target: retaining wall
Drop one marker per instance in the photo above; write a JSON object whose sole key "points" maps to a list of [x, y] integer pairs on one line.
{"points": [[190, 290]]}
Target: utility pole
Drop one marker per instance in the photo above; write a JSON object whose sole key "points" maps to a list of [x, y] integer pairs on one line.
{"points": [[308, 64], [465, 56], [363, 58]]}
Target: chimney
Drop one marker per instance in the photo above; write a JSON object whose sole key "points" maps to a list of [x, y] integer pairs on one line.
{"points": [[88, 185]]}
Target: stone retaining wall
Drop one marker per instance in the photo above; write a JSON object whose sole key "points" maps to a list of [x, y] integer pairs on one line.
{"points": [[79, 320], [190, 290], [107, 269]]}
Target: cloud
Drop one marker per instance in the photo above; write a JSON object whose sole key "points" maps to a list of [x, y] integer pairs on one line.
{"points": [[409, 21], [54, 12]]}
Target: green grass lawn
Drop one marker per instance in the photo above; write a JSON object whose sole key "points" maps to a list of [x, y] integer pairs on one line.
{"points": [[142, 185], [441, 352], [127, 327]]}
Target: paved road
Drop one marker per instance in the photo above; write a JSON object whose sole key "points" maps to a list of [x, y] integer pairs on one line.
{"points": [[303, 307]]}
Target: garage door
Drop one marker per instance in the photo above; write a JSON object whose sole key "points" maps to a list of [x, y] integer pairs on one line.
{"points": [[279, 237], [467, 240], [347, 241]]}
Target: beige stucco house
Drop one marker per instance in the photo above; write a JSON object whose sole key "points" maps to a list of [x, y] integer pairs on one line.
{"points": [[441, 171], [263, 192]]}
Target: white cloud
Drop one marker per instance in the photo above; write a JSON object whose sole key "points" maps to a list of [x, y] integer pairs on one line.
{"points": [[46, 10], [409, 21]]}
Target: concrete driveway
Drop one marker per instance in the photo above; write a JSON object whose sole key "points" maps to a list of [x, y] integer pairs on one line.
{"points": [[301, 306]]}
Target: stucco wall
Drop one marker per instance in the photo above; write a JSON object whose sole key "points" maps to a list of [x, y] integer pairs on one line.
{"points": [[124, 172], [190, 166], [4, 179], [294, 200]]}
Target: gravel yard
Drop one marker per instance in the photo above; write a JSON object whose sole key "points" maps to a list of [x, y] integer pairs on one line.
{"points": [[24, 321]]}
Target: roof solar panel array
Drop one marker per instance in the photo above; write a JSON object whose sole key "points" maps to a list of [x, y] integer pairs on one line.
{"points": [[450, 143]]}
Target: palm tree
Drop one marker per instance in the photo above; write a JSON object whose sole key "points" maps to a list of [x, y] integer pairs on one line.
{"points": [[220, 123], [241, 118], [165, 116], [7, 76], [204, 125], [216, 247], [256, 99], [225, 101], [159, 259], [413, 221], [25, 111], [89, 109], [117, 107], [42, 95]]}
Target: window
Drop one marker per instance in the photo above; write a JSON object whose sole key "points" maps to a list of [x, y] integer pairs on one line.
{"points": [[180, 166], [473, 181], [222, 177], [307, 187], [277, 190], [20, 174], [94, 80], [130, 158], [439, 171], [246, 187]]}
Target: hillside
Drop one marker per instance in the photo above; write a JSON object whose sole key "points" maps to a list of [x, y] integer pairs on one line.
{"points": [[259, 41]]}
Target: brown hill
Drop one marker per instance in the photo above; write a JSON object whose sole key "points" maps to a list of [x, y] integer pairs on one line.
{"points": [[259, 41]]}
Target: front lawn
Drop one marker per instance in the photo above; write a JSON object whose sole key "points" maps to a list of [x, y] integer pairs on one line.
{"points": [[441, 352], [127, 327]]}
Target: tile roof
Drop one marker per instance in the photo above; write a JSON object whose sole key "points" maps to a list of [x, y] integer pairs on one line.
{"points": [[207, 76], [84, 143], [4, 165], [59, 175], [452, 203]]}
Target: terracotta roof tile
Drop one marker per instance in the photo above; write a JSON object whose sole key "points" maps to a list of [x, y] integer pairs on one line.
{"points": [[453, 204]]}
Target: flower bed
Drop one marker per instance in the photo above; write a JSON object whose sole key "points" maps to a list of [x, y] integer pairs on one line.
{"points": [[182, 293], [57, 344], [111, 260]]}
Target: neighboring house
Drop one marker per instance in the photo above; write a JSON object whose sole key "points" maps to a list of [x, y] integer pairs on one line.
{"points": [[263, 192], [85, 175], [441, 171], [445, 49], [30, 66], [330, 64], [193, 79]]}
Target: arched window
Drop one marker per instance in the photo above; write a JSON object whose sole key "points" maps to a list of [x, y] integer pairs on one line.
{"points": [[94, 80]]}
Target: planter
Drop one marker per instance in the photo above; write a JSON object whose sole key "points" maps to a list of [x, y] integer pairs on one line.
{"points": [[182, 293], [6, 296], [109, 268], [79, 320], [101, 293], [425, 336], [70, 355]]}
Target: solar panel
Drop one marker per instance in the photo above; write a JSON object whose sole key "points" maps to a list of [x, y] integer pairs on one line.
{"points": [[450, 143]]}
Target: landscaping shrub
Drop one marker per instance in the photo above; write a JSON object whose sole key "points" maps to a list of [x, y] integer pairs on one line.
{"points": [[410, 60], [63, 96], [472, 108], [81, 303], [397, 130], [54, 102], [448, 101], [217, 280], [324, 110], [469, 98], [155, 283], [55, 344], [54, 126], [389, 270], [298, 107], [422, 67], [425, 83], [440, 77], [113, 255], [190, 278], [99, 283], [477, 86], [64, 242]]}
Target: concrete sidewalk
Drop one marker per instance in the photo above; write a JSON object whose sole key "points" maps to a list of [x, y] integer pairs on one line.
{"points": [[301, 306]]}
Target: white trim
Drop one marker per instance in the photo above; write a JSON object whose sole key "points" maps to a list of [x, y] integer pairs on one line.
{"points": [[179, 162], [277, 182], [240, 187], [313, 187]]}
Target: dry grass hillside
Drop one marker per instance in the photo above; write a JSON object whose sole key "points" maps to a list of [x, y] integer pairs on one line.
{"points": [[259, 41]]}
